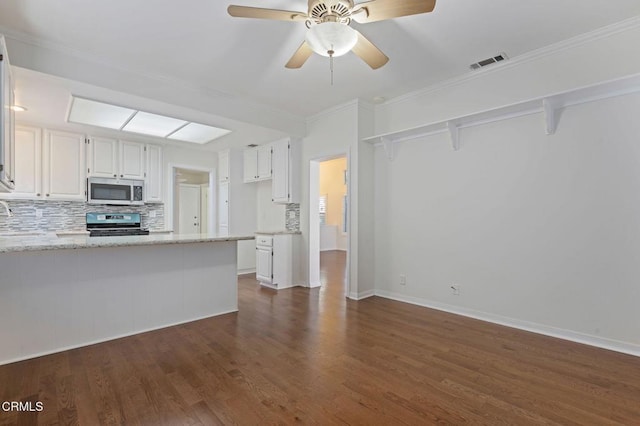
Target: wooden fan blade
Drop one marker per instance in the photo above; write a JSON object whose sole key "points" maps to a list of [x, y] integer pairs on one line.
{"points": [[378, 10], [369, 53], [259, 13], [300, 57]]}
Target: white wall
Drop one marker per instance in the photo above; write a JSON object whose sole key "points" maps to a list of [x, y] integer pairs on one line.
{"points": [[538, 231], [242, 211], [603, 55], [271, 216], [331, 133]]}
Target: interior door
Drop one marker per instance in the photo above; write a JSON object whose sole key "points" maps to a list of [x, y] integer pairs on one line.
{"points": [[189, 209]]}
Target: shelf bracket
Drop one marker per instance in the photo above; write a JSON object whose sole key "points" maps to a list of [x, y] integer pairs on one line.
{"points": [[454, 134], [387, 144], [550, 116]]}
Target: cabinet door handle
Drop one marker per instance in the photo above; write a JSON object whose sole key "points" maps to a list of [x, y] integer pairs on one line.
{"points": [[38, 194], [115, 175], [47, 195]]}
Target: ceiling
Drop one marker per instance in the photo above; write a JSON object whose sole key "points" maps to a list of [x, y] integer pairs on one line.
{"points": [[196, 43]]}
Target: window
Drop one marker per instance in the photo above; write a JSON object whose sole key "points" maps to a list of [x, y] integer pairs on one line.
{"points": [[323, 209]]}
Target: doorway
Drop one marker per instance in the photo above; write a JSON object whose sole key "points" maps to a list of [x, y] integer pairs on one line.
{"points": [[192, 200], [330, 212]]}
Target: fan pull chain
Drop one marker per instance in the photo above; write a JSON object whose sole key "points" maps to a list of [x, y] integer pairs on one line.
{"points": [[331, 52]]}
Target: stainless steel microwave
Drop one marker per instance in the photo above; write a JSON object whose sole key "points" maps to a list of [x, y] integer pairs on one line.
{"points": [[115, 191]]}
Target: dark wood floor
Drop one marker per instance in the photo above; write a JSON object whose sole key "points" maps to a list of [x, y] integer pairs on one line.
{"points": [[311, 356]]}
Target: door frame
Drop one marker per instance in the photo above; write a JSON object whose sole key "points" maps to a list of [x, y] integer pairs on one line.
{"points": [[314, 219], [170, 206]]}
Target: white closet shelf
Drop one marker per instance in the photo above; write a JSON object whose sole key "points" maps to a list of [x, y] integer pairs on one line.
{"points": [[549, 105]]}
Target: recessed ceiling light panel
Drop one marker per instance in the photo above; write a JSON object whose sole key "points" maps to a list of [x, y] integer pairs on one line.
{"points": [[94, 113], [85, 111], [153, 124], [198, 133]]}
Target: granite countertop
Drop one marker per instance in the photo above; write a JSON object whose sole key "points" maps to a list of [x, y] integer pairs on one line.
{"points": [[281, 232], [51, 241]]}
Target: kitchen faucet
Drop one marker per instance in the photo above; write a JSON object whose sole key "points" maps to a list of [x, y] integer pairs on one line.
{"points": [[6, 207]]}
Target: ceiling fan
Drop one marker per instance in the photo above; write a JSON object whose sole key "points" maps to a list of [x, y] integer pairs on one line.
{"points": [[328, 23]]}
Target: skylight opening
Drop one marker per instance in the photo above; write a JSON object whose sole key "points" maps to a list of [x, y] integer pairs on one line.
{"points": [[100, 114]]}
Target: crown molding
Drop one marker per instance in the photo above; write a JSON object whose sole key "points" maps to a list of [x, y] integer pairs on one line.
{"points": [[349, 104], [552, 49]]}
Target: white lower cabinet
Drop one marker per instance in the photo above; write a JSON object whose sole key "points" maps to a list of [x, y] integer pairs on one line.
{"points": [[264, 263], [276, 260]]}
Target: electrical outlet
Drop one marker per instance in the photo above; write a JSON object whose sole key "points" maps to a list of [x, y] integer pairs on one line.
{"points": [[455, 289], [403, 280], [38, 212]]}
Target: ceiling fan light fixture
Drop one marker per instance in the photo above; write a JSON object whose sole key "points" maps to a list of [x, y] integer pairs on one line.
{"points": [[331, 38]]}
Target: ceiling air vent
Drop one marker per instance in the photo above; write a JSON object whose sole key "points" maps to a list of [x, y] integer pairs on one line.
{"points": [[251, 145], [489, 61]]}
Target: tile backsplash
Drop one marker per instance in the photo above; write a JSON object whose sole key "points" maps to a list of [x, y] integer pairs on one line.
{"points": [[292, 215], [59, 216]]}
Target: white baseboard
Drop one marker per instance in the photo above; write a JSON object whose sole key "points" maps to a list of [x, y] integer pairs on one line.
{"points": [[246, 271], [560, 333], [362, 295]]}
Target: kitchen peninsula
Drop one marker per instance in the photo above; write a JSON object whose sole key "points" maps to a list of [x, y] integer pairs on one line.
{"points": [[58, 293]]}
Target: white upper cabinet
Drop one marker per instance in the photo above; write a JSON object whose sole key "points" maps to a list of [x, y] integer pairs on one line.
{"points": [[28, 174], [63, 166], [131, 160], [102, 156], [153, 174], [285, 162], [53, 169], [116, 159], [223, 166], [264, 162], [257, 163], [250, 172], [7, 120]]}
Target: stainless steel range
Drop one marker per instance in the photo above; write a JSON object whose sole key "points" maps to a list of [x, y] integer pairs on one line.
{"points": [[114, 224]]}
